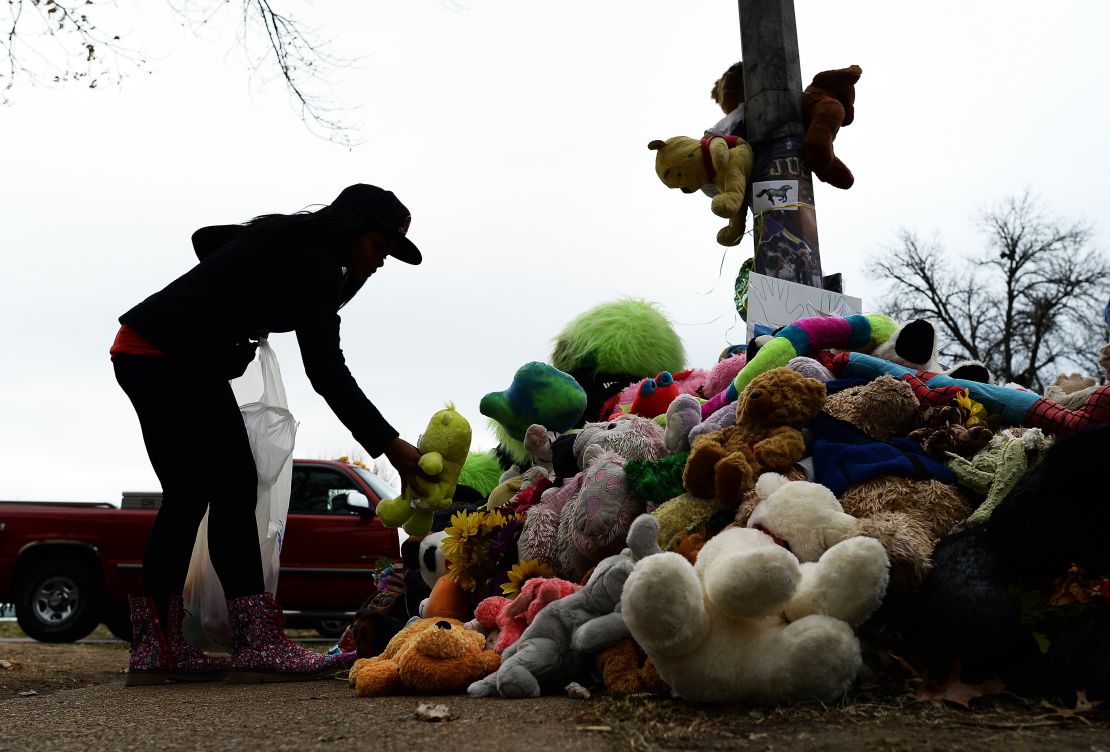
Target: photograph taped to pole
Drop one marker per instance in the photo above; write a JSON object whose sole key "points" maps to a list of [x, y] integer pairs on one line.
{"points": [[785, 218]]}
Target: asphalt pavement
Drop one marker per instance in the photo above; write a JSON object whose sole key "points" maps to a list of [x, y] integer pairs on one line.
{"points": [[320, 715]]}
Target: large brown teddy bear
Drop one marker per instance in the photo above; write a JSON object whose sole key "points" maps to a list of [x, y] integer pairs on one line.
{"points": [[429, 656], [827, 104], [907, 515], [771, 410]]}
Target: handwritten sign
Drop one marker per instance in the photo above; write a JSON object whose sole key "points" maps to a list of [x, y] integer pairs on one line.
{"points": [[776, 302]]}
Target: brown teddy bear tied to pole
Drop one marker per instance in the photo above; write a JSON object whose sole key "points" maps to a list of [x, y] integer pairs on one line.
{"points": [[827, 105]]}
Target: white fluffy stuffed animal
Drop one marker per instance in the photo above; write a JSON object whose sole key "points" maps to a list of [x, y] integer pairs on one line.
{"points": [[750, 622]]}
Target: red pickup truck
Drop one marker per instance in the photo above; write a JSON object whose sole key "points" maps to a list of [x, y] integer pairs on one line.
{"points": [[70, 566]]}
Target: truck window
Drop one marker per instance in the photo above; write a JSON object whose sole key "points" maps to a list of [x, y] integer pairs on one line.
{"points": [[320, 490], [377, 485]]}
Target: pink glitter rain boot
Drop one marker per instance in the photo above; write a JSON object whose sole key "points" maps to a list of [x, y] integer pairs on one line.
{"points": [[160, 653], [260, 651], [150, 661], [189, 662]]}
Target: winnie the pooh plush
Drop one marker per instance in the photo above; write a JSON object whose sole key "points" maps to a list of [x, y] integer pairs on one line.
{"points": [[443, 447], [771, 410], [723, 162], [429, 656], [828, 104], [749, 622]]}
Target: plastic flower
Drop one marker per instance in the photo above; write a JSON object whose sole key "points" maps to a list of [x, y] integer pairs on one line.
{"points": [[462, 545], [463, 527], [462, 576], [976, 412], [523, 571], [504, 540], [491, 521]]}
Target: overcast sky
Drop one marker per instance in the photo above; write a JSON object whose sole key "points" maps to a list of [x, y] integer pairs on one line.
{"points": [[516, 133]]}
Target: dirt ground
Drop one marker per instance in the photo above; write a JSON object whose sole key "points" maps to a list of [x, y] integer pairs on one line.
{"points": [[62, 697]]}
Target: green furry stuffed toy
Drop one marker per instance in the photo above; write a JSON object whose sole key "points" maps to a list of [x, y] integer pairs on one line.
{"points": [[657, 480], [540, 394], [614, 344], [482, 472]]}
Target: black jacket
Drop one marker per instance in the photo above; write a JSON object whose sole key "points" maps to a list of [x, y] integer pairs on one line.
{"points": [[243, 286]]}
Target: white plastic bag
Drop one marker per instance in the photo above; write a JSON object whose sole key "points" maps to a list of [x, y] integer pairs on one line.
{"points": [[271, 430]]}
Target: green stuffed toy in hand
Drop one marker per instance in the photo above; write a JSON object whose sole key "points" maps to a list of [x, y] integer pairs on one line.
{"points": [[443, 446]]}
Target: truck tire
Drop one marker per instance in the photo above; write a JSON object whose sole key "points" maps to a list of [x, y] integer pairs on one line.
{"points": [[331, 628], [58, 601]]}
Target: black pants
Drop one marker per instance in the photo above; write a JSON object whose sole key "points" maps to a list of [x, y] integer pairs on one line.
{"points": [[198, 446]]}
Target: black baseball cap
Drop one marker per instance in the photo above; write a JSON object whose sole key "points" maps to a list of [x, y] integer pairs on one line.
{"points": [[381, 210]]}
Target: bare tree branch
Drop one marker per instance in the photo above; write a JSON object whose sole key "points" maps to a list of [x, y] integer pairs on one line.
{"points": [[1027, 307], [56, 42], [51, 42], [384, 470]]}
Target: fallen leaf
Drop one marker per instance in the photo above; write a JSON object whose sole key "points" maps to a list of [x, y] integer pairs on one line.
{"points": [[955, 691], [9, 666], [1082, 705], [905, 664], [576, 691], [429, 712]]}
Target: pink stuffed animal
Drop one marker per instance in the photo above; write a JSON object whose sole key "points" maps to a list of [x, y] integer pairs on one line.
{"points": [[722, 375], [510, 617]]}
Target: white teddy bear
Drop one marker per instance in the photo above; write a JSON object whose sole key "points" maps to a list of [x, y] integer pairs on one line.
{"points": [[750, 622]]}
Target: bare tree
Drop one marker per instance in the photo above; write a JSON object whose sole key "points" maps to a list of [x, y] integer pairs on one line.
{"points": [[384, 470], [60, 42], [379, 466], [1029, 307]]}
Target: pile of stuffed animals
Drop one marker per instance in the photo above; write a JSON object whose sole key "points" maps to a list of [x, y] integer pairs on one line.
{"points": [[745, 532], [757, 530]]}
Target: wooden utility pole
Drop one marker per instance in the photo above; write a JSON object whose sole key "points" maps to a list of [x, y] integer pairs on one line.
{"points": [[782, 186]]}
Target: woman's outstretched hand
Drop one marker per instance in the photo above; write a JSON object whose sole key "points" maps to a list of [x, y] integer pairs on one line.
{"points": [[405, 459]]}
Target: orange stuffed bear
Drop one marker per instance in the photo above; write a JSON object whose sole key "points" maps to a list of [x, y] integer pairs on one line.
{"points": [[726, 463], [827, 104], [429, 656], [626, 670]]}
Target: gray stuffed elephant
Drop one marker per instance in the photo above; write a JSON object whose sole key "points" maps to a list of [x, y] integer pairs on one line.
{"points": [[556, 646]]}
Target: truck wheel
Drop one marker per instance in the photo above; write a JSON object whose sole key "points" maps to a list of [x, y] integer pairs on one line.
{"points": [[58, 601], [330, 628]]}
